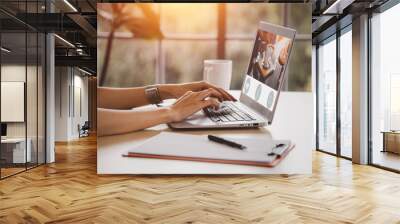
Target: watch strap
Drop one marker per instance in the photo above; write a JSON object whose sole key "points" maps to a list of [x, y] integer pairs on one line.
{"points": [[153, 94]]}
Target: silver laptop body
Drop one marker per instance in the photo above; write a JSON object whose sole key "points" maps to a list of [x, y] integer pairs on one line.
{"points": [[261, 87]]}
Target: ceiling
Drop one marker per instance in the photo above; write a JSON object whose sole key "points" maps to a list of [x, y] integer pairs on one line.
{"points": [[73, 20], [330, 15]]}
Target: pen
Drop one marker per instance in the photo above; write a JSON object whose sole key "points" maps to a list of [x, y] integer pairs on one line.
{"points": [[225, 142]]}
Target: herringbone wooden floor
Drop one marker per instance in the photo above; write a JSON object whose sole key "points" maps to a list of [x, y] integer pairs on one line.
{"points": [[70, 191]]}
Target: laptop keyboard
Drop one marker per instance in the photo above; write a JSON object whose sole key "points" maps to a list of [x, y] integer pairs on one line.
{"points": [[228, 112]]}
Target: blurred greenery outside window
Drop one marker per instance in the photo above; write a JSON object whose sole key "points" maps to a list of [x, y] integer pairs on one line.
{"points": [[191, 35]]}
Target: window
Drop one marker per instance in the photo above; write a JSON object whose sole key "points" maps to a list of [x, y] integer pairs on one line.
{"points": [[346, 93], [299, 78], [22, 75], [133, 62], [394, 102], [334, 93], [194, 32], [243, 19], [178, 18], [327, 96], [385, 89], [184, 59]]}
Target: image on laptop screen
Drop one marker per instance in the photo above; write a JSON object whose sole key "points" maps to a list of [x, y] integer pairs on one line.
{"points": [[267, 67]]}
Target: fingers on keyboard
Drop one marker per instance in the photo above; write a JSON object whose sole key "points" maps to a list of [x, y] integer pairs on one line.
{"points": [[227, 113]]}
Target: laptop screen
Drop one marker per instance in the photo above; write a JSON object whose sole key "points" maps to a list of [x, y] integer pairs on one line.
{"points": [[265, 74]]}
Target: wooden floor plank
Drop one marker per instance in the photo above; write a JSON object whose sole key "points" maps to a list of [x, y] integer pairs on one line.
{"points": [[70, 191]]}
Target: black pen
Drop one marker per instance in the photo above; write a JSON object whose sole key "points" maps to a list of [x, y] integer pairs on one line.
{"points": [[225, 142]]}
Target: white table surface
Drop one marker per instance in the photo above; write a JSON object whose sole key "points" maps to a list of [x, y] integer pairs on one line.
{"points": [[293, 120], [13, 140]]}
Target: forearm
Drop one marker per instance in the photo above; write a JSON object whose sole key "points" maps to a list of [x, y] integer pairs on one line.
{"points": [[126, 98], [113, 122], [121, 98]]}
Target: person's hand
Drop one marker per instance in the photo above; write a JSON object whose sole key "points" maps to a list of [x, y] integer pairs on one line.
{"points": [[191, 102], [178, 90]]}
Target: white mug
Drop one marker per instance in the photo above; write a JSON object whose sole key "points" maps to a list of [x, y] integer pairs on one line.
{"points": [[218, 73]]}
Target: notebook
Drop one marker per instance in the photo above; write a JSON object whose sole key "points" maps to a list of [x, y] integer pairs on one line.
{"points": [[177, 146]]}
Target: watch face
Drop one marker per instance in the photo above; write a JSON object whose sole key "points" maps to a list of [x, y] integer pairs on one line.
{"points": [[270, 99], [246, 86], [258, 92]]}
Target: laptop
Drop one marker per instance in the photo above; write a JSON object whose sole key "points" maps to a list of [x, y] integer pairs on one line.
{"points": [[262, 84]]}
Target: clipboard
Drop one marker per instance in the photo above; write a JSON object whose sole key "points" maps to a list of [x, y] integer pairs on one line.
{"points": [[260, 152]]}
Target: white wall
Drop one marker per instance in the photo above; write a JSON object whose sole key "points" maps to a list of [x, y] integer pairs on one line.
{"points": [[16, 73], [12, 100], [33, 126], [62, 81], [70, 83]]}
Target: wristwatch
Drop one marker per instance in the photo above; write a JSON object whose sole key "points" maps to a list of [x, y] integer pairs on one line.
{"points": [[153, 94]]}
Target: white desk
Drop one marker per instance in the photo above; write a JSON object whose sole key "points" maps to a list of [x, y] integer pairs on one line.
{"points": [[293, 120], [18, 151]]}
